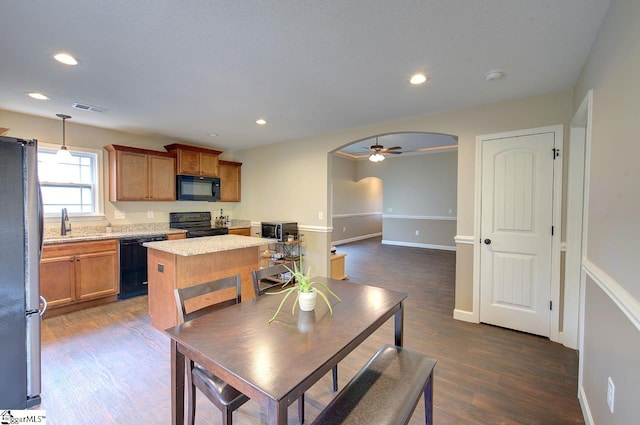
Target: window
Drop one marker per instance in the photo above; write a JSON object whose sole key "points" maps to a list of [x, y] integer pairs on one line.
{"points": [[72, 184]]}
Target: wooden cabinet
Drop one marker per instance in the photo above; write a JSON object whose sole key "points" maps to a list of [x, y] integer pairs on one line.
{"points": [[140, 174], [77, 275], [173, 236], [230, 181], [242, 231], [195, 161]]}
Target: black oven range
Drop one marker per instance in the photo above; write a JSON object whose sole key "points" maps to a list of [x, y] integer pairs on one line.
{"points": [[197, 224]]}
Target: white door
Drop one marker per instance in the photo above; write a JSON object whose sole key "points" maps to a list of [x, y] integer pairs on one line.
{"points": [[516, 231]]}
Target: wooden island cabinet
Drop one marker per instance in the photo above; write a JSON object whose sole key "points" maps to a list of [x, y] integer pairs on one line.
{"points": [[78, 275], [141, 174], [187, 262]]}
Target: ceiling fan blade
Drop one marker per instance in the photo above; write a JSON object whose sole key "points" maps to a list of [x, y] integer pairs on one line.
{"points": [[393, 148], [392, 152]]}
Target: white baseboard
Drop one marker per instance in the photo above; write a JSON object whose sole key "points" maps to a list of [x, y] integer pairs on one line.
{"points": [[584, 404], [419, 245], [465, 316], [356, 238]]}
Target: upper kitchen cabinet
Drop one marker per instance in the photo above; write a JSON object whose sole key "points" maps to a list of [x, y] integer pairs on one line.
{"points": [[141, 175], [230, 181], [195, 161]]}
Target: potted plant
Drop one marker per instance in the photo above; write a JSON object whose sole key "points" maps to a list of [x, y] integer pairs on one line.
{"points": [[306, 291]]}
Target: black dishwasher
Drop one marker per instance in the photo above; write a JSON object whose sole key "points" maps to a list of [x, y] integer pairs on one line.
{"points": [[133, 265]]}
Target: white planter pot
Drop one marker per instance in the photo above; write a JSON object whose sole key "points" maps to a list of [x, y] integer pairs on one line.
{"points": [[307, 300]]}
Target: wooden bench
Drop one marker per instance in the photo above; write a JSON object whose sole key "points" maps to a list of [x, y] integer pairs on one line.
{"points": [[385, 391]]}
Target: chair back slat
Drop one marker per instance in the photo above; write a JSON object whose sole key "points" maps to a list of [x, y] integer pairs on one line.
{"points": [[185, 294], [258, 275]]}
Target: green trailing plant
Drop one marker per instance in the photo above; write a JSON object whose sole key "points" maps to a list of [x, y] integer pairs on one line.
{"points": [[302, 283]]}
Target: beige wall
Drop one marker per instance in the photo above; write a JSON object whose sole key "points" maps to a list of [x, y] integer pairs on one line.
{"points": [[290, 180], [356, 204], [612, 297]]}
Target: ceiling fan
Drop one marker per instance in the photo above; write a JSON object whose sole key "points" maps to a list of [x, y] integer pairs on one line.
{"points": [[378, 151]]}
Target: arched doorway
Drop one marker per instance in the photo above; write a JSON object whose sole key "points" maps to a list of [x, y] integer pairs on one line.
{"points": [[417, 184]]}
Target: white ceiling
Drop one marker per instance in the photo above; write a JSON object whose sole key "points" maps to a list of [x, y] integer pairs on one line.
{"points": [[182, 69]]}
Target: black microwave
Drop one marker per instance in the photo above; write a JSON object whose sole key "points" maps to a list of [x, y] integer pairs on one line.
{"points": [[279, 230], [194, 188]]}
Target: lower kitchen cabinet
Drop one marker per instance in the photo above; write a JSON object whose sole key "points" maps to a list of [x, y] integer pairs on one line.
{"points": [[242, 231], [79, 275]]}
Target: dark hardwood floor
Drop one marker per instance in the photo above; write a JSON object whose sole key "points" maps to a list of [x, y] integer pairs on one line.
{"points": [[107, 365]]}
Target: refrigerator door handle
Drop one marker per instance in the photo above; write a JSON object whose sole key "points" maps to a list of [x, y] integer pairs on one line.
{"points": [[40, 219], [43, 300]]}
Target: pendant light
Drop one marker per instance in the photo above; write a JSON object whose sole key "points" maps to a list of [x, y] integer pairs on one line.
{"points": [[63, 155]]}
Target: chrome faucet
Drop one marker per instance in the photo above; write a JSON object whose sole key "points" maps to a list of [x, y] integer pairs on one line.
{"points": [[65, 224]]}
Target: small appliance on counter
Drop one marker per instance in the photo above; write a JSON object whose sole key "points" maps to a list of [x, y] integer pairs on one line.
{"points": [[279, 230]]}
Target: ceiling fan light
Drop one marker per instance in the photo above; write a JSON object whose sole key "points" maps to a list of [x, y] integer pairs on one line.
{"points": [[376, 157]]}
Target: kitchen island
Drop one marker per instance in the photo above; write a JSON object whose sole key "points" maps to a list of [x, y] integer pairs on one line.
{"points": [[187, 262]]}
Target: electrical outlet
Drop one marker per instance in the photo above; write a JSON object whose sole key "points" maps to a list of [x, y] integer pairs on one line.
{"points": [[161, 267], [344, 229], [417, 232], [320, 215], [450, 210], [119, 215], [611, 393], [389, 210], [149, 214]]}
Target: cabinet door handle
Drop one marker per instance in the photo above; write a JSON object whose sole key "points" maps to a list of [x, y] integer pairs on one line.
{"points": [[71, 259], [77, 258]]}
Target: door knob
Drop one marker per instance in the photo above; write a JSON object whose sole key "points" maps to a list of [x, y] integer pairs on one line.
{"points": [[487, 241]]}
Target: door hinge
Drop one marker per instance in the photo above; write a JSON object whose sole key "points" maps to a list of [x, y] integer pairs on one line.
{"points": [[551, 305], [552, 230], [556, 153]]}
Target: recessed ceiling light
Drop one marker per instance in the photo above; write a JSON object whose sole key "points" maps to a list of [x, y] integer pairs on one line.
{"points": [[36, 95], [261, 121], [417, 79], [494, 74], [211, 135], [65, 58]]}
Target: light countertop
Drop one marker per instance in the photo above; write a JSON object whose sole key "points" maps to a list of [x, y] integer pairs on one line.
{"points": [[207, 245], [71, 237]]}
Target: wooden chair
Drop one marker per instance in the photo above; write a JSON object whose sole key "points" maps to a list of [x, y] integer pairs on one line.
{"points": [[224, 396], [267, 272]]}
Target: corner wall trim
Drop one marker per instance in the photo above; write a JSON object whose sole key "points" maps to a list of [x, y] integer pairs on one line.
{"points": [[465, 316], [362, 214], [356, 238], [629, 305], [420, 217], [419, 245], [462, 239]]}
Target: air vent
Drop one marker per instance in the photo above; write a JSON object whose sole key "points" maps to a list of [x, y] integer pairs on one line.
{"points": [[87, 107]]}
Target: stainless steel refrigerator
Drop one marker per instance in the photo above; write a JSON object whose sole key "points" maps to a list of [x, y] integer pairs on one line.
{"points": [[21, 228]]}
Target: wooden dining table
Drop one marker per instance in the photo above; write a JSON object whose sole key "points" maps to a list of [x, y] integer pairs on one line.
{"points": [[275, 363]]}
